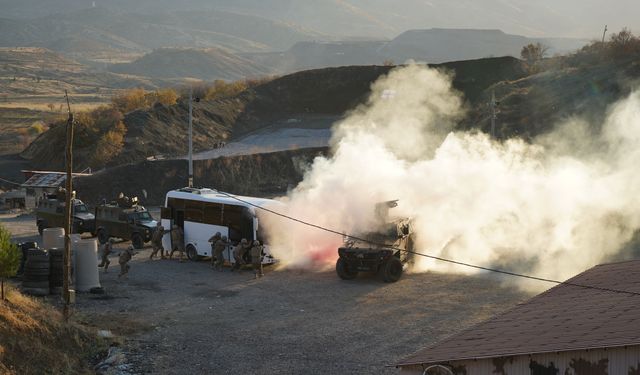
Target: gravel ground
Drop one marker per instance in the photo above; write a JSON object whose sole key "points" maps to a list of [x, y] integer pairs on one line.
{"points": [[185, 318]]}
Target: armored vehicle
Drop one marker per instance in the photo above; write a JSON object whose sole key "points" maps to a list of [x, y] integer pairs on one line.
{"points": [[50, 211], [125, 219], [384, 252]]}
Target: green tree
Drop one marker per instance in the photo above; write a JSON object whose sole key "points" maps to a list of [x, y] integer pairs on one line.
{"points": [[9, 258]]}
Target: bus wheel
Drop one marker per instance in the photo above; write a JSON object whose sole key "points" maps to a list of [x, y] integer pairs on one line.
{"points": [[137, 241], [192, 253]]}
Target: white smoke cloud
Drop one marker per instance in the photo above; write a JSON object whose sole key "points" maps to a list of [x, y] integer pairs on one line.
{"points": [[551, 209]]}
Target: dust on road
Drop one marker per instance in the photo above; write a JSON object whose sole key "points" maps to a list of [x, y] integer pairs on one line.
{"points": [[185, 318]]}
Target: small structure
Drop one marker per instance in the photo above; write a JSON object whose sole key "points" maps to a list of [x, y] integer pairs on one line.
{"points": [[12, 199], [40, 183], [568, 330]]}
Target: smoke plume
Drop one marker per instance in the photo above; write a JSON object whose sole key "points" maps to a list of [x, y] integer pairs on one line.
{"points": [[550, 208]]}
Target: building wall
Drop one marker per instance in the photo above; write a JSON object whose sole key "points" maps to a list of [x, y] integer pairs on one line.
{"points": [[617, 361]]}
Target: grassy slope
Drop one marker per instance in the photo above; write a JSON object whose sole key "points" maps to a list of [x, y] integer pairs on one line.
{"points": [[34, 339]]}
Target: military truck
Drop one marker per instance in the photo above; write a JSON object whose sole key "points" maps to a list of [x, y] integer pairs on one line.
{"points": [[124, 219], [50, 213], [383, 252]]}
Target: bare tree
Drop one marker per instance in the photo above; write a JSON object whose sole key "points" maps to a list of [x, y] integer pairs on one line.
{"points": [[533, 52]]}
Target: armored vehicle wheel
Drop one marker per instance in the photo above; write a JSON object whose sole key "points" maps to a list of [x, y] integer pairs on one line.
{"points": [[391, 270], [192, 253], [343, 270], [103, 236], [137, 241]]}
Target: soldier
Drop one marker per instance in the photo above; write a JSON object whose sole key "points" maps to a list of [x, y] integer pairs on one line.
{"points": [[177, 236], [219, 248], [106, 250], [213, 241], [156, 242], [256, 259], [238, 254], [125, 257]]}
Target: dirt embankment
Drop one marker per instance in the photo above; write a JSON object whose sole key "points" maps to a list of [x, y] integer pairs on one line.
{"points": [[35, 340], [261, 175]]}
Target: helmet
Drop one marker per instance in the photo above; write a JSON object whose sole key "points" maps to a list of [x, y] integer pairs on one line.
{"points": [[218, 234], [130, 247], [160, 227], [256, 243], [112, 240], [224, 238], [244, 241]]}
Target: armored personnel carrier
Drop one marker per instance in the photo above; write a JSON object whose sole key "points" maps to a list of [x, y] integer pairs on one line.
{"points": [[384, 252], [125, 219], [50, 213]]}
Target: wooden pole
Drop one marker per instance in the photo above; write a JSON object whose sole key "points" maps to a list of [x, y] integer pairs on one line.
{"points": [[67, 221]]}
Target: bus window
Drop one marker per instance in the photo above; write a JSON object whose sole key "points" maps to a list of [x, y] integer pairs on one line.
{"points": [[240, 220], [193, 211], [212, 213]]}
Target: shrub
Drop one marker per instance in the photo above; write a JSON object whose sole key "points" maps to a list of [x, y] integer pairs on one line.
{"points": [[9, 258]]}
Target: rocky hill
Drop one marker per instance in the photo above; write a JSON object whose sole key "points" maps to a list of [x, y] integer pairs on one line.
{"points": [[205, 64], [323, 92]]}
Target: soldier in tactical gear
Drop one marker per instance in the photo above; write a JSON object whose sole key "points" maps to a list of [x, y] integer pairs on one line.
{"points": [[106, 250], [256, 259], [177, 236], [213, 241], [219, 248], [238, 254], [156, 242], [125, 257]]}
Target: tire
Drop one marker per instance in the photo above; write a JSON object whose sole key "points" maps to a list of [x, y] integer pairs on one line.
{"points": [[137, 241], [192, 253], [343, 271], [36, 284], [36, 253], [392, 270], [103, 236], [39, 272], [40, 292]]}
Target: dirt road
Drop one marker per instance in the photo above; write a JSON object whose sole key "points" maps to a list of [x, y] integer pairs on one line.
{"points": [[185, 318]]}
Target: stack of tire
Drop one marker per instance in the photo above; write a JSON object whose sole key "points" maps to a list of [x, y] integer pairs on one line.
{"points": [[56, 275], [35, 280]]}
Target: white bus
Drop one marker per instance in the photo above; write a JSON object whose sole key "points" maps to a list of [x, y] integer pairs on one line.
{"points": [[202, 212]]}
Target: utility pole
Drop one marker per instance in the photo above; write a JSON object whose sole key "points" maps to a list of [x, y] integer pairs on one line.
{"points": [[67, 220], [493, 113], [604, 33], [191, 136]]}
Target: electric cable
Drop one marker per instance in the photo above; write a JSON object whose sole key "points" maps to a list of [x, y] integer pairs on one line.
{"points": [[452, 261]]}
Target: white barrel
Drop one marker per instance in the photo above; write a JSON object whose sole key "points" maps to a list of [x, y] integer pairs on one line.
{"points": [[87, 276], [53, 238]]}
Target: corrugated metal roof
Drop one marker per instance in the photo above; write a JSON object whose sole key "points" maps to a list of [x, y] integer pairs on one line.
{"points": [[45, 180], [563, 318]]}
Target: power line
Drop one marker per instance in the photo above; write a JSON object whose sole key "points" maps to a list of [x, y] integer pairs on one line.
{"points": [[452, 261], [11, 182]]}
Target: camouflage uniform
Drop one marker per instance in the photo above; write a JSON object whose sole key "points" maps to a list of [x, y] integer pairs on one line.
{"points": [[156, 242], [219, 248], [238, 254], [106, 250], [125, 257], [213, 241], [256, 259], [177, 235]]}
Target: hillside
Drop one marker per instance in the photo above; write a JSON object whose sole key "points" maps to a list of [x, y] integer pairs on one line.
{"points": [[319, 93], [102, 35], [205, 64], [431, 46]]}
